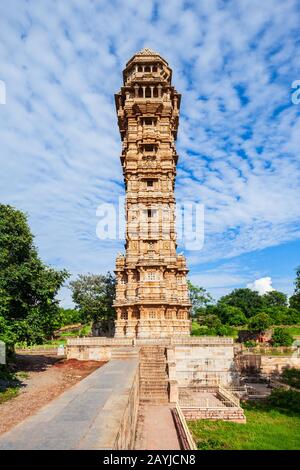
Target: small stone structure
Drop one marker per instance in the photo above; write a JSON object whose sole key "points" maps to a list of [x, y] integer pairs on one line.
{"points": [[265, 366], [257, 336]]}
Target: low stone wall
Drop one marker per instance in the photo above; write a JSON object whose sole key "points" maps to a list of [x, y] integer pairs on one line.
{"points": [[265, 365], [101, 348], [89, 352], [202, 364], [234, 414], [125, 439]]}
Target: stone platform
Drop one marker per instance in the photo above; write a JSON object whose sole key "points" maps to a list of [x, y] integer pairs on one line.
{"points": [[100, 412]]}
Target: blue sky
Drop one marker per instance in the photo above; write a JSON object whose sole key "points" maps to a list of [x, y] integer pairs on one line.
{"points": [[239, 137]]}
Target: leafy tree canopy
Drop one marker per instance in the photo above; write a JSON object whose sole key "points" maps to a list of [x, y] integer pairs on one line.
{"points": [[247, 300], [259, 322], [233, 316], [199, 298], [275, 298], [295, 298], [93, 295], [212, 321], [69, 316], [282, 315], [28, 287]]}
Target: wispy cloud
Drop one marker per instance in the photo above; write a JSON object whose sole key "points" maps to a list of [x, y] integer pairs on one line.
{"points": [[234, 63]]}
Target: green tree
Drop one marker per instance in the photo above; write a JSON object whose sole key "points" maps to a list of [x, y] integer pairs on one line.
{"points": [[275, 298], [211, 321], [199, 298], [93, 295], [259, 322], [281, 337], [233, 316], [224, 330], [69, 316], [28, 287], [295, 298], [247, 300], [282, 315]]}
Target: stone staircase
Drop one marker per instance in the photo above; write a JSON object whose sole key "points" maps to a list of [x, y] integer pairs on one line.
{"points": [[153, 375]]}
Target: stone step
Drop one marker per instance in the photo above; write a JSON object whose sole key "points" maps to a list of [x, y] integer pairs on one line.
{"points": [[154, 380], [154, 389], [146, 399], [153, 366], [153, 361], [160, 401], [153, 396]]}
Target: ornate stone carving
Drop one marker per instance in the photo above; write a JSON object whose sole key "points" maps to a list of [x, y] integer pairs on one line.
{"points": [[151, 296]]}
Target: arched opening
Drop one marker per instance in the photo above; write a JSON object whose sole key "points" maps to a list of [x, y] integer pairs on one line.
{"points": [[140, 68], [148, 92], [155, 92], [147, 68], [140, 92]]}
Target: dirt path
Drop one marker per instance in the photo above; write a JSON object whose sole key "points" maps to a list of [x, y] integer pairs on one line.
{"points": [[46, 378]]}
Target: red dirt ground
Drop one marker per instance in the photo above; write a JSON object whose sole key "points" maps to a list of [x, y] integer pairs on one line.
{"points": [[48, 377]]}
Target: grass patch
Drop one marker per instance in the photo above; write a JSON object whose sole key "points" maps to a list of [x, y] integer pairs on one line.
{"points": [[267, 428], [10, 383], [8, 394], [293, 330]]}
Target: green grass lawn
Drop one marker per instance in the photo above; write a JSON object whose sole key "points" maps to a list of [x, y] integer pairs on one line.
{"points": [[266, 429], [294, 330]]}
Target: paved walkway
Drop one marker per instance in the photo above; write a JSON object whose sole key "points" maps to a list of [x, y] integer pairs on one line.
{"points": [[84, 417], [156, 429]]}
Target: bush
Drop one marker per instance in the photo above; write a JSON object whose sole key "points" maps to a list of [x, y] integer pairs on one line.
{"points": [[250, 344], [204, 331], [282, 337], [211, 321], [285, 399], [224, 330], [259, 322], [291, 377]]}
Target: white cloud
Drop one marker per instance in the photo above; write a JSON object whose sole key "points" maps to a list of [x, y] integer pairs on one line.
{"points": [[262, 285]]}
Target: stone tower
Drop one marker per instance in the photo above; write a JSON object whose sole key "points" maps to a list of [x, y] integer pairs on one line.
{"points": [[151, 296]]}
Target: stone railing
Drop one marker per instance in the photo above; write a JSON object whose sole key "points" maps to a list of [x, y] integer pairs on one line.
{"points": [[183, 431], [228, 395], [99, 341], [187, 340], [176, 341]]}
